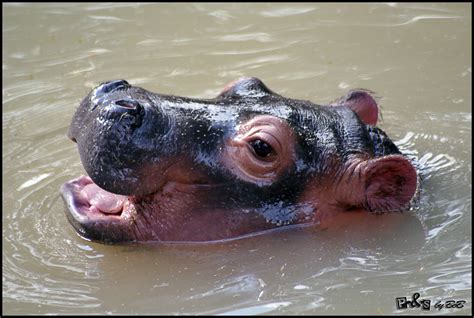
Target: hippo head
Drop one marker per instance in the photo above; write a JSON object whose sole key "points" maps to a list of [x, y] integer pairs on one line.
{"points": [[168, 168]]}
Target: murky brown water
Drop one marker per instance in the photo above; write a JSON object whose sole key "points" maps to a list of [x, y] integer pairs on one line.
{"points": [[417, 57]]}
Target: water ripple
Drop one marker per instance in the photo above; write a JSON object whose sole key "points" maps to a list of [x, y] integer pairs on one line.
{"points": [[74, 57], [256, 310], [284, 12], [256, 36], [20, 90], [422, 17], [107, 18]]}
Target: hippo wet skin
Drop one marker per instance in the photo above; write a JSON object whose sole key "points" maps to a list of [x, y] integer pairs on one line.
{"points": [[168, 168]]}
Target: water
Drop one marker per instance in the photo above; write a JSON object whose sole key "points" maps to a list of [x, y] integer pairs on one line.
{"points": [[416, 57]]}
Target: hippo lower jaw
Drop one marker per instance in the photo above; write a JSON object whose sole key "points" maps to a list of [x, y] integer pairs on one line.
{"points": [[90, 219], [174, 213]]}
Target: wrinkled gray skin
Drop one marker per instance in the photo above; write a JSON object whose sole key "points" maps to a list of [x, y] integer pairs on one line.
{"points": [[129, 138]]}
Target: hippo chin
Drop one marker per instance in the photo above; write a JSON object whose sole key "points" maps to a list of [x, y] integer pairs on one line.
{"points": [[168, 168]]}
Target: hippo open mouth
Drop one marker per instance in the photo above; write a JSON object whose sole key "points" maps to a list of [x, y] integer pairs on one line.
{"points": [[168, 168], [89, 204]]}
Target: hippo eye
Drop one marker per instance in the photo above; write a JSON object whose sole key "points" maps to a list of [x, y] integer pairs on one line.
{"points": [[261, 148]]}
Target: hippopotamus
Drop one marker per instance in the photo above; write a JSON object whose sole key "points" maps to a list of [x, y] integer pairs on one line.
{"points": [[177, 169]]}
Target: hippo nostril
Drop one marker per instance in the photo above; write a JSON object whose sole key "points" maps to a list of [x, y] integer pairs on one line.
{"points": [[111, 86], [130, 112], [99, 93], [128, 104]]}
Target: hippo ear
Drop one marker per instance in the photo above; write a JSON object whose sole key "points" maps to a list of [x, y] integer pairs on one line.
{"points": [[389, 183], [245, 87], [362, 103]]}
